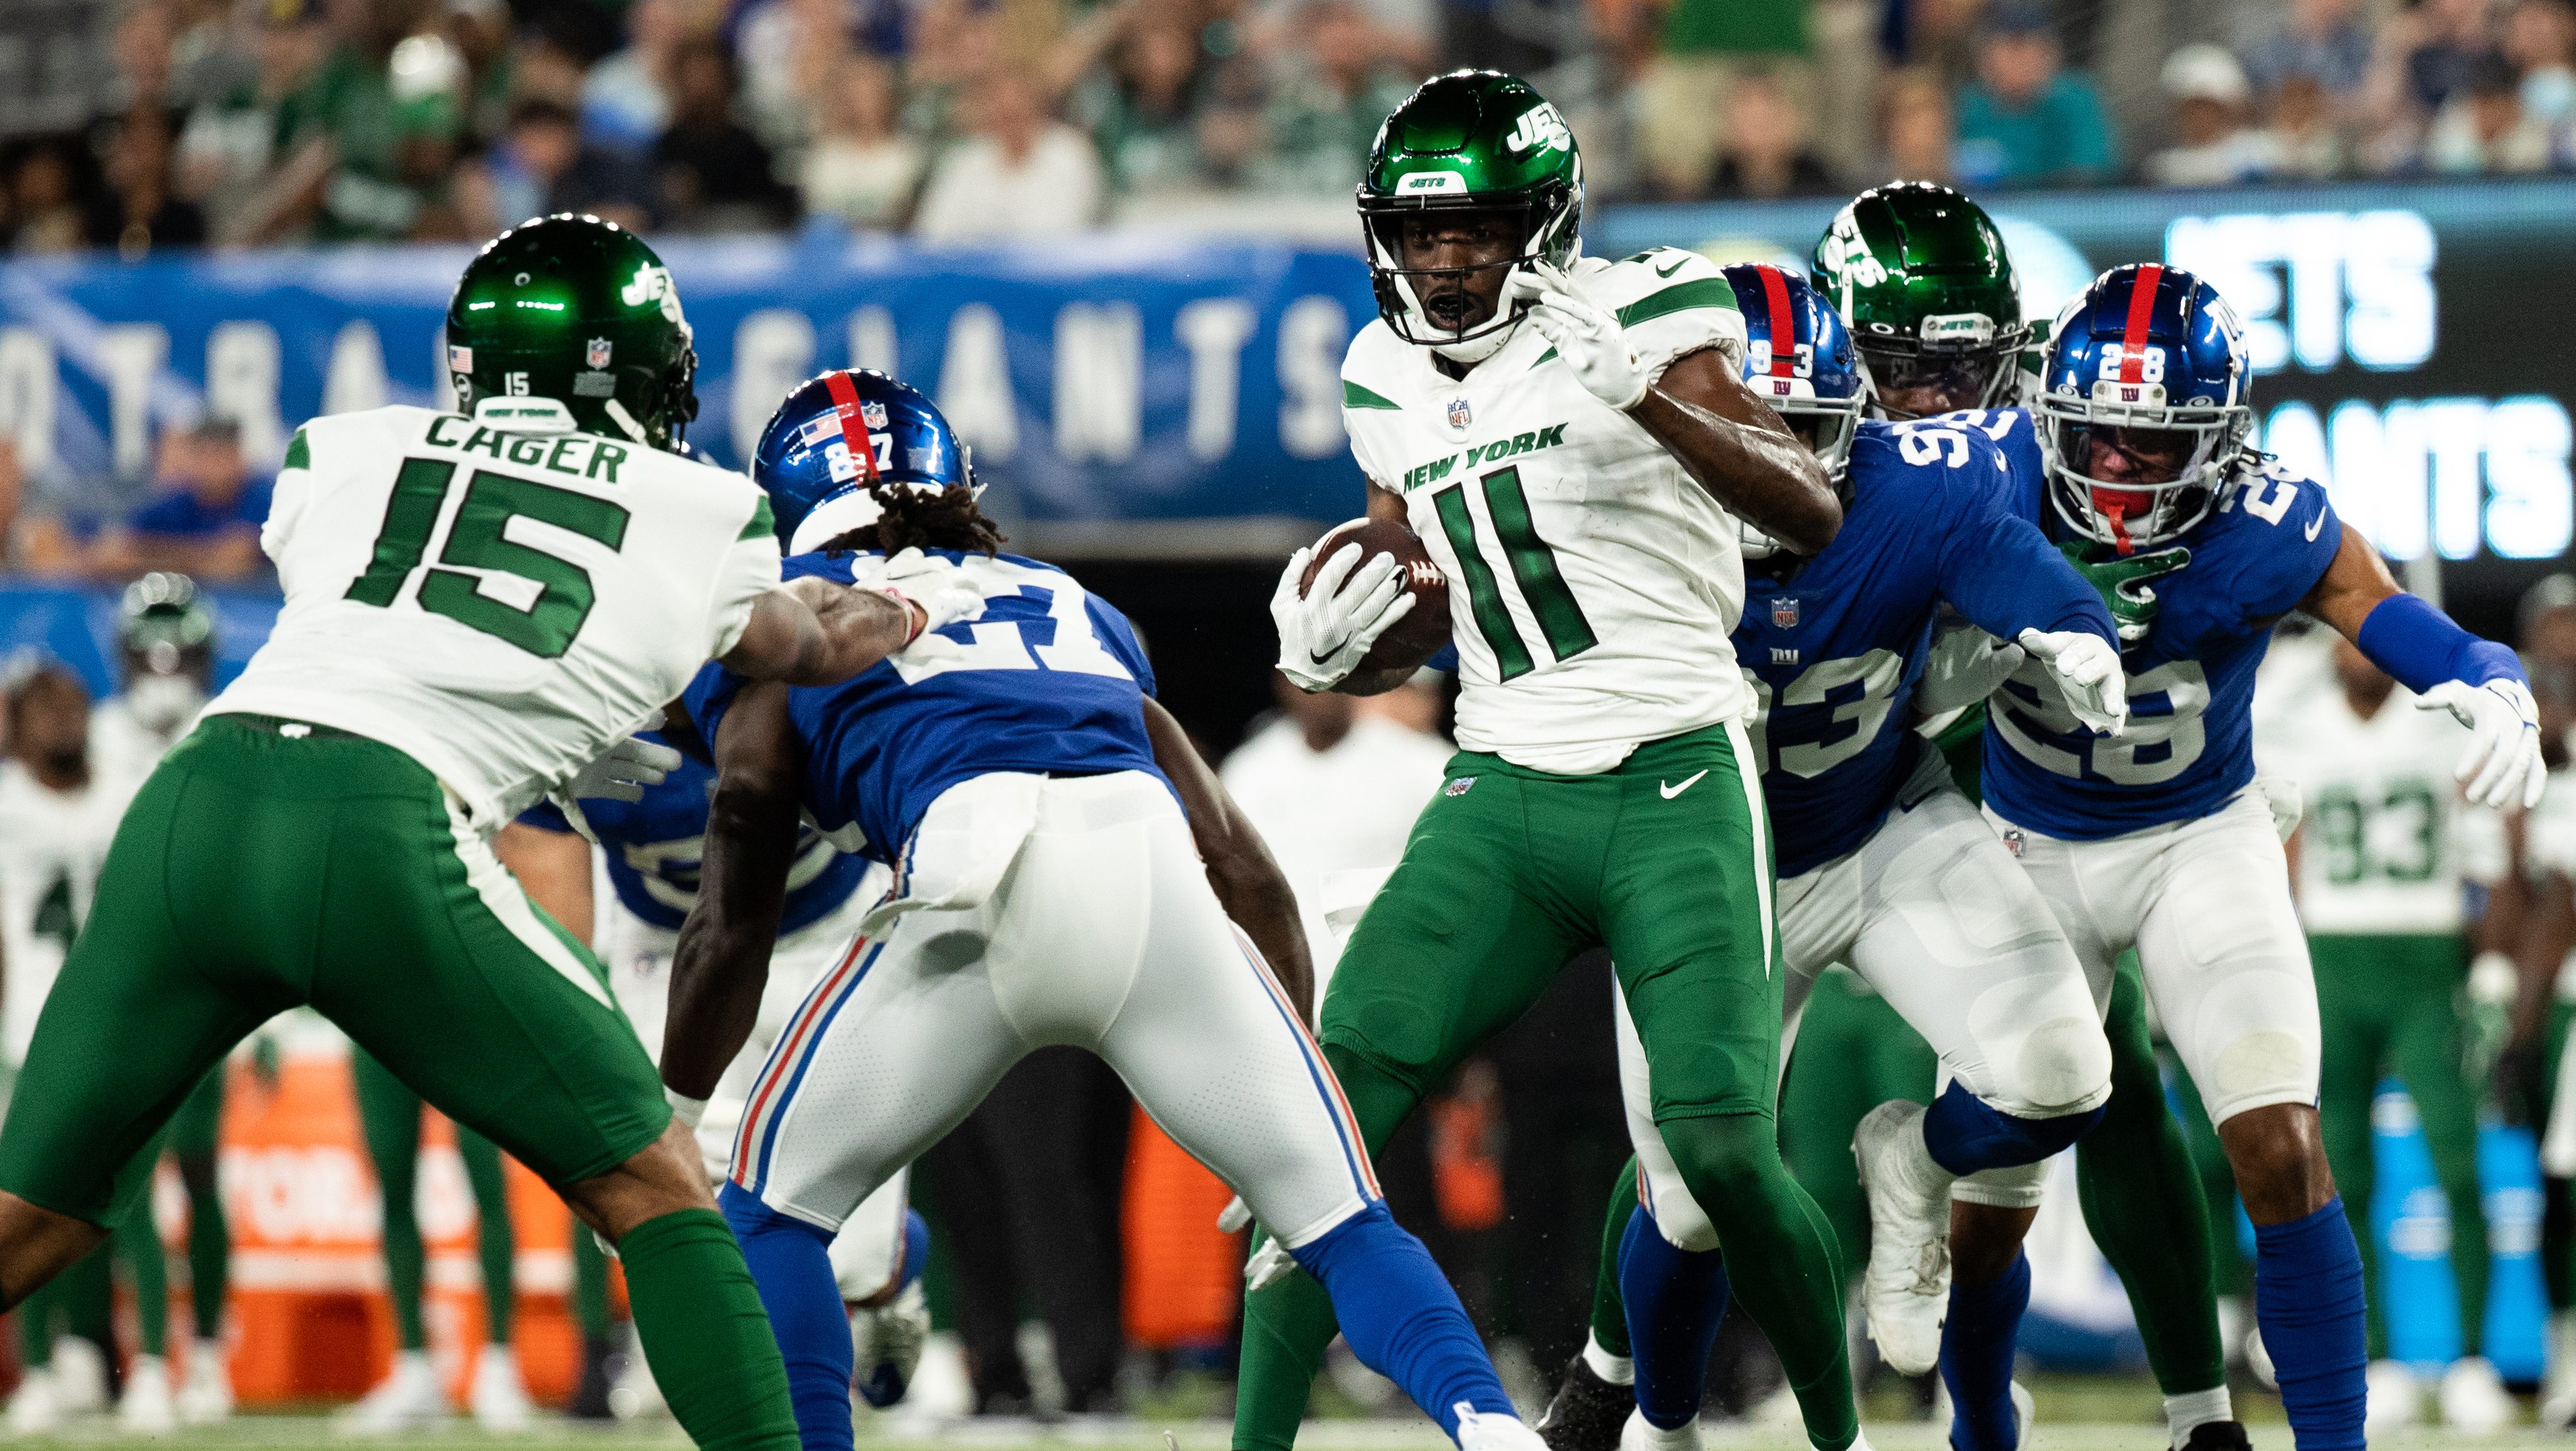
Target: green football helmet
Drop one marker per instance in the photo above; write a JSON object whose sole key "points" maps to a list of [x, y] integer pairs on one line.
{"points": [[579, 311], [1922, 279], [1469, 141], [165, 635]]}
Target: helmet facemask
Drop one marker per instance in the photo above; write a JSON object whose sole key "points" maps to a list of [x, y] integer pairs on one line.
{"points": [[2181, 457], [1546, 227], [1963, 356]]}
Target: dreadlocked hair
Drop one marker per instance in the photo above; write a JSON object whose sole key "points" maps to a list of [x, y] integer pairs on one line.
{"points": [[912, 519]]}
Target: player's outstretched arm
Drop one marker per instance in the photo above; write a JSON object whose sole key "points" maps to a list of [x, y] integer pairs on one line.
{"points": [[1740, 451], [1249, 884], [722, 960], [813, 632], [2478, 681]]}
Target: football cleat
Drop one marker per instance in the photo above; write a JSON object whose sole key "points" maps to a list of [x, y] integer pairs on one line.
{"points": [[1640, 1434], [1495, 1431], [408, 1396], [2218, 1436], [1586, 1412], [1906, 1292], [2473, 1398], [146, 1408], [2395, 1397], [886, 1343], [500, 1398], [36, 1410], [207, 1395]]}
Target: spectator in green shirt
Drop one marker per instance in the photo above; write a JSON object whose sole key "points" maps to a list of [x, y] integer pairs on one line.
{"points": [[2024, 121]]}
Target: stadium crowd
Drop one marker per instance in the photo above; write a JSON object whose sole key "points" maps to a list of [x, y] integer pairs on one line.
{"points": [[242, 122]]}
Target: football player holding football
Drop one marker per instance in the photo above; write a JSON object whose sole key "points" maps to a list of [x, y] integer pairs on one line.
{"points": [[1573, 442]]}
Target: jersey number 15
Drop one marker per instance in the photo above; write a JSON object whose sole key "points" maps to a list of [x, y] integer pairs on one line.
{"points": [[547, 625]]}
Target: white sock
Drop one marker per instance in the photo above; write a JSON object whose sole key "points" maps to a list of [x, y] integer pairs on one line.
{"points": [[2196, 1408], [1619, 1370]]}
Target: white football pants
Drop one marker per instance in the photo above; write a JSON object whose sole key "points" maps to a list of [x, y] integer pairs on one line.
{"points": [[1932, 912], [867, 1255], [2207, 905], [1101, 932]]}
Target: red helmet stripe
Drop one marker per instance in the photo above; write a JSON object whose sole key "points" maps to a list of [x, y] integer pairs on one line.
{"points": [[2133, 340], [1784, 333], [845, 402]]}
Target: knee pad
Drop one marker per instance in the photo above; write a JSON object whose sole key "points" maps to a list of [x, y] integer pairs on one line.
{"points": [[2064, 1068]]}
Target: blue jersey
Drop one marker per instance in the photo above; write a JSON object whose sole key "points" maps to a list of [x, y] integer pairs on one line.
{"points": [[654, 847], [1836, 643], [1048, 680], [2189, 746]]}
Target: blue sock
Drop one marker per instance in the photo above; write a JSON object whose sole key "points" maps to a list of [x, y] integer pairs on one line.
{"points": [[1675, 1299], [1977, 1344], [916, 1247], [1965, 1133], [791, 1261], [2307, 1299], [1400, 1317]]}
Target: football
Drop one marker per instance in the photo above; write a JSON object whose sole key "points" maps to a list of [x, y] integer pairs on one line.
{"points": [[1417, 637]]}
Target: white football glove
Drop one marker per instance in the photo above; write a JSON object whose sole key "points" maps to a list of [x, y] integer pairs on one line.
{"points": [[2502, 764], [1587, 335], [915, 578], [2087, 671], [1268, 1266], [1323, 635], [1234, 1217], [1964, 667], [623, 771]]}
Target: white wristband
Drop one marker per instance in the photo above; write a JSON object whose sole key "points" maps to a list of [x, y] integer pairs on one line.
{"points": [[684, 1108]]}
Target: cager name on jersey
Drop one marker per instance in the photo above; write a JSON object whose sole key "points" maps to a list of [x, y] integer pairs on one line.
{"points": [[1519, 443], [581, 455]]}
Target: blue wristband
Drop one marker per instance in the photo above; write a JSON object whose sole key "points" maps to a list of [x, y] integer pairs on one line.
{"points": [[2420, 646]]}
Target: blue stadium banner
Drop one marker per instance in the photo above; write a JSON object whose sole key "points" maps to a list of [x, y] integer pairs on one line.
{"points": [[1120, 389]]}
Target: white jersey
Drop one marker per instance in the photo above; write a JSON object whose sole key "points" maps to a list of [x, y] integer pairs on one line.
{"points": [[1593, 583], [499, 606], [52, 844], [122, 749], [2386, 842]]}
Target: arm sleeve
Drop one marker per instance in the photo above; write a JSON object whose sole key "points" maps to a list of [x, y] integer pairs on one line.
{"points": [[1997, 569], [748, 571]]}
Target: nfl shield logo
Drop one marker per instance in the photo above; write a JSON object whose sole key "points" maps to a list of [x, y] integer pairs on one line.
{"points": [[872, 413], [599, 351], [1459, 787], [1784, 613], [1459, 413]]}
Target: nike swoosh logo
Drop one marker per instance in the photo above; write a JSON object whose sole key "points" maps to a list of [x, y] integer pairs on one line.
{"points": [[1672, 791], [2316, 525], [1677, 266]]}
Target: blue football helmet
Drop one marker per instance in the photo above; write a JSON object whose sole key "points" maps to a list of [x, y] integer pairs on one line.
{"points": [[839, 439], [1798, 358], [2146, 375]]}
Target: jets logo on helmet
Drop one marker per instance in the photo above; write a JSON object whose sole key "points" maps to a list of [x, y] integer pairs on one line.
{"points": [[1797, 358], [1468, 142], [570, 322], [2145, 377], [1924, 285]]}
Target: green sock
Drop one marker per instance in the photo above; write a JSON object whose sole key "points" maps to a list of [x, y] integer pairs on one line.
{"points": [[1609, 1312], [88, 1296], [1781, 1261], [210, 1259], [138, 1243], [2142, 1200], [589, 1283], [36, 1325], [1285, 1330], [492, 1228], [389, 1113], [705, 1335], [1286, 1327]]}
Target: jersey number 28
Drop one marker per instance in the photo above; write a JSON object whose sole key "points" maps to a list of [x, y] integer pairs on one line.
{"points": [[545, 627]]}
